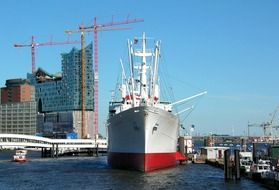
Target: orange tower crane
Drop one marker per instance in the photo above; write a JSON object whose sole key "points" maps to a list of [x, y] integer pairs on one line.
{"points": [[95, 28], [83, 80], [83, 85], [33, 44]]}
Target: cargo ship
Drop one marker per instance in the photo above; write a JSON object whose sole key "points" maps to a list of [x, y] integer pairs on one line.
{"points": [[142, 129]]}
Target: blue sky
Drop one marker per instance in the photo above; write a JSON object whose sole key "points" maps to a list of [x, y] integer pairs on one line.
{"points": [[229, 48]]}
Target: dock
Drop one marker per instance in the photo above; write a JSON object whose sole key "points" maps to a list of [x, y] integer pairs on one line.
{"points": [[55, 147], [219, 163]]}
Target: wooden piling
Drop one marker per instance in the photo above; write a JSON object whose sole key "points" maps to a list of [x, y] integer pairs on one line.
{"points": [[181, 143], [254, 153], [204, 142], [56, 151], [97, 150], [42, 152], [52, 151], [227, 164], [237, 164]]}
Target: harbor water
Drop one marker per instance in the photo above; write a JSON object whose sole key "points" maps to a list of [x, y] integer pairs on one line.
{"points": [[93, 173]]}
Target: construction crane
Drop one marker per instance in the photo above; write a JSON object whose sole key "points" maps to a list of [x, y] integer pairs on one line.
{"points": [[95, 28], [33, 45], [83, 79], [268, 125], [252, 125]]}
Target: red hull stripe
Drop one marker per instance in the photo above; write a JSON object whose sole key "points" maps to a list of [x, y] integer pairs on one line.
{"points": [[140, 161]]}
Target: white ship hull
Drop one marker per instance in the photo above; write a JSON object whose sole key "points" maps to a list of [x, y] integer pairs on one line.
{"points": [[142, 138], [142, 129]]}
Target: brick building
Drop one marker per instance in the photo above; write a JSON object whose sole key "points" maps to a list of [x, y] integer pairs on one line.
{"points": [[18, 110], [17, 90]]}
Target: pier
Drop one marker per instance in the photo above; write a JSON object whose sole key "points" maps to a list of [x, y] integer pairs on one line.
{"points": [[54, 147], [263, 169]]}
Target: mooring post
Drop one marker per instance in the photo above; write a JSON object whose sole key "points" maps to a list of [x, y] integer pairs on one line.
{"points": [[227, 164], [269, 151], [237, 164], [204, 142], [97, 150], [52, 151], [254, 153], [243, 145], [56, 150], [42, 152], [181, 143]]}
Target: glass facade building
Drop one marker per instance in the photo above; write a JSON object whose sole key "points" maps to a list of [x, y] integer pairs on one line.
{"points": [[59, 96], [62, 91]]}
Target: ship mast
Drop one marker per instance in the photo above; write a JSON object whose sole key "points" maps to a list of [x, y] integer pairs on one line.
{"points": [[131, 62], [154, 85], [143, 93], [145, 89]]}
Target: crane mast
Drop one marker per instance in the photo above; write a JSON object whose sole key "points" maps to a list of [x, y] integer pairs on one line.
{"points": [[33, 54], [81, 30], [96, 81], [83, 84]]}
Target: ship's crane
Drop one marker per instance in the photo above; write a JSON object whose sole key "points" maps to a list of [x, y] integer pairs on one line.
{"points": [[95, 28], [33, 45]]}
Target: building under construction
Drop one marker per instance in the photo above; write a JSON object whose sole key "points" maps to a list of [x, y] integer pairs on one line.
{"points": [[59, 96]]}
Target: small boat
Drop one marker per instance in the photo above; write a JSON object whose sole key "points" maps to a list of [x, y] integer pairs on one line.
{"points": [[245, 164], [258, 170], [246, 161], [20, 156]]}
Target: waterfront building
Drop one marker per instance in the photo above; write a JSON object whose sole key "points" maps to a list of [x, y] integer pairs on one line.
{"points": [[56, 124], [186, 144], [18, 109], [62, 91], [59, 96], [18, 118], [213, 152], [17, 90]]}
